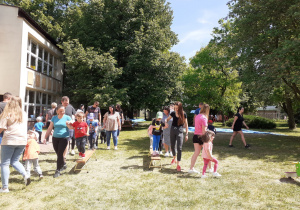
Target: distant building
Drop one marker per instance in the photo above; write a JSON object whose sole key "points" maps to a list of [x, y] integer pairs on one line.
{"points": [[31, 66], [271, 112]]}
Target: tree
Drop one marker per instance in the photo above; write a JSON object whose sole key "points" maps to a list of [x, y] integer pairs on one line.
{"points": [[264, 35], [212, 80]]}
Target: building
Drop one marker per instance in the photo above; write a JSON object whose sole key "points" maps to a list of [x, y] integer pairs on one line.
{"points": [[31, 66], [271, 112]]}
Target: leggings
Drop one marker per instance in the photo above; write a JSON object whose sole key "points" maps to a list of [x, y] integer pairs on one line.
{"points": [[176, 136], [206, 161], [59, 146], [156, 139], [40, 136]]}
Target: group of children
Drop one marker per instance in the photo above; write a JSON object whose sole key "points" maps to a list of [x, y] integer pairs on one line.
{"points": [[155, 131]]}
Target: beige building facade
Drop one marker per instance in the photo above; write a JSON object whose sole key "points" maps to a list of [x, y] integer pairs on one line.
{"points": [[30, 62]]}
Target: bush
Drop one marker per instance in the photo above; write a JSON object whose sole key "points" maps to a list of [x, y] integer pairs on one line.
{"points": [[190, 117], [255, 122]]}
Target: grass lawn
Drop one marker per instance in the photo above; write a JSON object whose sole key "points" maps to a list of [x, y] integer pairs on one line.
{"points": [[251, 179]]}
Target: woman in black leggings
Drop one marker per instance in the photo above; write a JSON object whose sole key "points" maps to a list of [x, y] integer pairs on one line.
{"points": [[176, 134]]}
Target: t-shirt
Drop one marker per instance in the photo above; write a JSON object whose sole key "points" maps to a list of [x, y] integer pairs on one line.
{"points": [[157, 131], [209, 146], [175, 119], [2, 106], [212, 128], [92, 126], [69, 110], [80, 129], [39, 126], [197, 111], [15, 133], [112, 121], [200, 122], [60, 127], [95, 111], [239, 122]]}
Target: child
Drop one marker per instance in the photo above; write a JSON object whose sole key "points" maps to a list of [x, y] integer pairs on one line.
{"points": [[92, 130], [38, 127], [81, 132], [211, 127], [31, 154], [150, 135], [157, 126], [102, 132], [207, 153]]}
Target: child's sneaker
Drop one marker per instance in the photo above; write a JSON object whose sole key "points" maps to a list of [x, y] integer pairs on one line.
{"points": [[41, 176], [82, 155], [247, 146], [171, 155], [116, 148], [203, 176], [178, 168], [4, 190], [173, 161], [210, 170], [166, 154], [27, 180], [72, 152], [79, 154], [216, 174], [193, 171], [108, 147], [160, 152]]}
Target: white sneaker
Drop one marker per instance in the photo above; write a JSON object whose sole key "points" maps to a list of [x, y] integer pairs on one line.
{"points": [[203, 176], [216, 174], [166, 154], [4, 190], [108, 147], [72, 152], [193, 171], [160, 152], [210, 170], [116, 148], [171, 154], [151, 147]]}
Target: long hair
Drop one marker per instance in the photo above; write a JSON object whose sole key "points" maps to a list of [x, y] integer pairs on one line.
{"points": [[207, 136], [13, 110], [205, 110], [180, 113], [118, 108], [114, 109]]}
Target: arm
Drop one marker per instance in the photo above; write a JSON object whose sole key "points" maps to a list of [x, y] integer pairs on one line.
{"points": [[46, 117], [204, 128], [88, 131], [194, 120], [186, 129], [86, 113], [51, 126], [235, 118], [99, 118], [208, 152], [69, 125], [122, 119], [169, 118], [245, 125], [1, 129], [119, 124], [104, 121]]}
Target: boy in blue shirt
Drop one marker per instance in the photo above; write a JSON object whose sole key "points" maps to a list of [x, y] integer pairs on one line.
{"points": [[38, 127], [93, 126]]}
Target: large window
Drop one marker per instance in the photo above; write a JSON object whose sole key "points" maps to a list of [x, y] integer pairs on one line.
{"points": [[39, 59], [37, 103]]}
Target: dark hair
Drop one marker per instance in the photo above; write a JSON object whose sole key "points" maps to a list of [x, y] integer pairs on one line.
{"points": [[167, 108], [180, 113], [7, 95], [207, 136], [118, 107], [113, 107], [239, 109], [58, 107], [65, 98], [81, 105], [201, 103]]}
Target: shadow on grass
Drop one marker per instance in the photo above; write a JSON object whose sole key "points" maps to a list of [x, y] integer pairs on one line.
{"points": [[290, 181]]}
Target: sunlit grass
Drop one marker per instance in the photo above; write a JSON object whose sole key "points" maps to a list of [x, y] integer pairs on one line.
{"points": [[251, 179]]}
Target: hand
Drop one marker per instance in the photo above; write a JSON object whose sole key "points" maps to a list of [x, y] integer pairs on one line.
{"points": [[186, 137], [247, 127], [87, 134], [232, 127]]}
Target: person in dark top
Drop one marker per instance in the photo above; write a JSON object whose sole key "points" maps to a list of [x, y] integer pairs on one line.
{"points": [[157, 126], [176, 134], [95, 109], [211, 127], [237, 124], [6, 98]]}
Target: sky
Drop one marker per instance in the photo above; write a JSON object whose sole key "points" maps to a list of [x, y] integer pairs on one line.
{"points": [[194, 21]]}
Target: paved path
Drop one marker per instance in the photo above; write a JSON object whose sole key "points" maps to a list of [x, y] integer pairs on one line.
{"points": [[46, 147]]}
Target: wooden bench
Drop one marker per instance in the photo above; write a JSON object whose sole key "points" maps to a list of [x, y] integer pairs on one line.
{"points": [[128, 124], [88, 155], [153, 161]]}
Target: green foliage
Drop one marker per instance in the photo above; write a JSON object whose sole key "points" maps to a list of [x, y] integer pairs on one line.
{"points": [[190, 118], [255, 122]]}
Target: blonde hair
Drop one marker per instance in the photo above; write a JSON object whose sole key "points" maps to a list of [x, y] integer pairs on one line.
{"points": [[79, 114], [205, 110], [39, 119], [13, 110], [53, 105]]}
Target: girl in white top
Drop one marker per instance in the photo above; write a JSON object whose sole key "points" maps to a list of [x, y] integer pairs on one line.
{"points": [[13, 121], [111, 123]]}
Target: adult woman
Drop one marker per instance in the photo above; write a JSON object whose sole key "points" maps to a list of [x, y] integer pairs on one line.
{"points": [[200, 128], [176, 134], [111, 124], [60, 137], [166, 131], [49, 116], [13, 121], [237, 127]]}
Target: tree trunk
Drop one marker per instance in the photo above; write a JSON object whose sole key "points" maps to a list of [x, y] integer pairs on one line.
{"points": [[130, 113], [288, 108], [223, 118]]}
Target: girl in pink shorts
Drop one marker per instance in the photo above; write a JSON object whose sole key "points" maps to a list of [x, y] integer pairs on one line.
{"points": [[207, 153]]}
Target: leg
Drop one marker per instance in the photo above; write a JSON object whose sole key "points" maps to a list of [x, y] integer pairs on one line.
{"points": [[28, 167], [197, 148], [179, 138], [232, 137], [243, 138], [216, 164], [36, 166], [166, 147], [82, 144], [154, 142], [14, 162], [62, 145], [6, 155], [78, 144], [108, 137], [73, 143], [206, 161], [40, 136], [91, 140], [115, 137], [173, 142]]}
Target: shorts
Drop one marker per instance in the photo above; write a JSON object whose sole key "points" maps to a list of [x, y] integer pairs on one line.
{"points": [[197, 139]]}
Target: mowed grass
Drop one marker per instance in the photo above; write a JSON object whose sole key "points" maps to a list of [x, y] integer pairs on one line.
{"points": [[251, 179]]}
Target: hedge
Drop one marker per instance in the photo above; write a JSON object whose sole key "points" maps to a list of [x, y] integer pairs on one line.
{"points": [[255, 122]]}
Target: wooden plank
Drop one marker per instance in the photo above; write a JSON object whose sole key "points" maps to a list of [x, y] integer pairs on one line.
{"points": [[88, 155]]}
